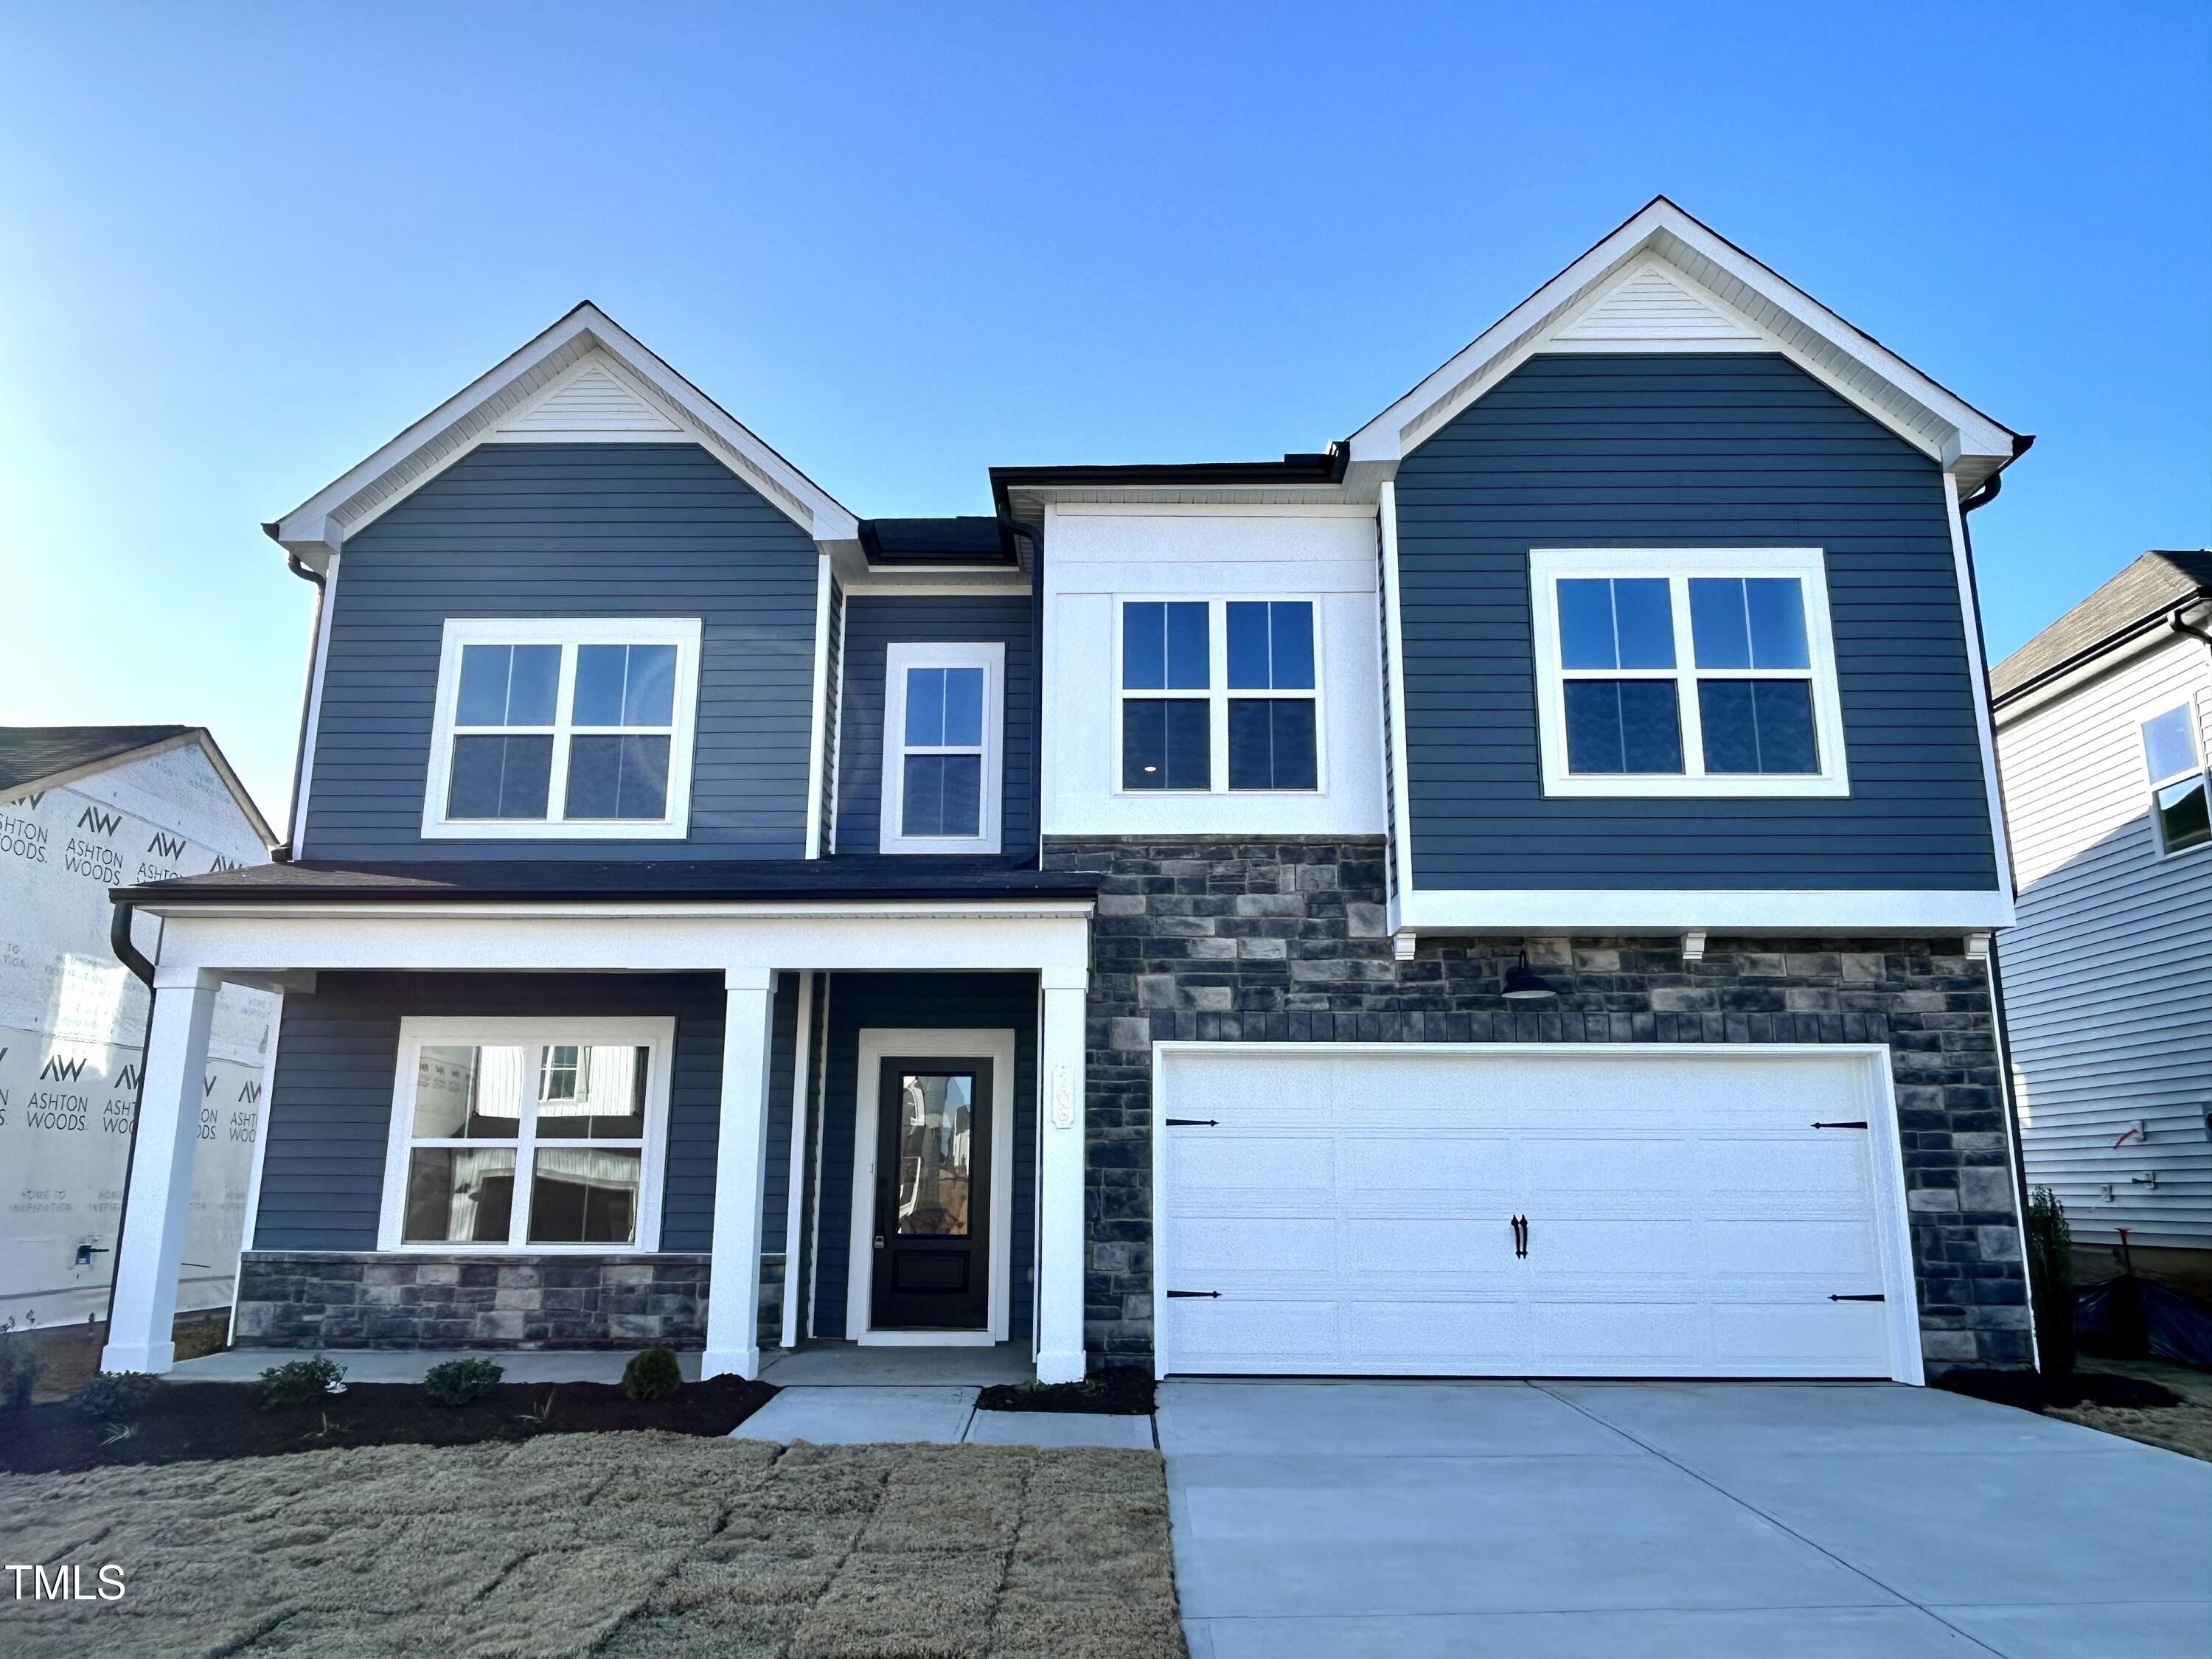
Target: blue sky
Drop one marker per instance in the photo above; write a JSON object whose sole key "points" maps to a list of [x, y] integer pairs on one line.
{"points": [[241, 245]]}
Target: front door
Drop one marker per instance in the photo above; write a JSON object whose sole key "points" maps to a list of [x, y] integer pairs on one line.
{"points": [[932, 1268]]}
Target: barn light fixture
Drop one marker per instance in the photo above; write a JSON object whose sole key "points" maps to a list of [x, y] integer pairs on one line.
{"points": [[1524, 984]]}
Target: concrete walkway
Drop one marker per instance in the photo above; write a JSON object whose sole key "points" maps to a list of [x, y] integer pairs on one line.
{"points": [[854, 1414], [1571, 1520]]}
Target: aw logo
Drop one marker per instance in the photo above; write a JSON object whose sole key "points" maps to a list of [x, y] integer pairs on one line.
{"points": [[166, 846], [251, 1094], [58, 1070], [125, 1080], [100, 823], [221, 863]]}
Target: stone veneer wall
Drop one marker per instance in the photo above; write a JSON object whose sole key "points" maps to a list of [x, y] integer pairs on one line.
{"points": [[367, 1300], [1283, 940]]}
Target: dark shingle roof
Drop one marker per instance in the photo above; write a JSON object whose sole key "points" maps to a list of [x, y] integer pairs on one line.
{"points": [[28, 753], [652, 881], [935, 541], [2153, 585]]}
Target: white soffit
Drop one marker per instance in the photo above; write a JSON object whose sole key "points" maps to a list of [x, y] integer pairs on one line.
{"points": [[586, 368], [1664, 281]]}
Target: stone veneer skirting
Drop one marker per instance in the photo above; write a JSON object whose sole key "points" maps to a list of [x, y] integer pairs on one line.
{"points": [[1219, 939], [313, 1299]]}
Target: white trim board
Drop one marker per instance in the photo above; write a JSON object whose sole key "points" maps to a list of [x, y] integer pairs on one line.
{"points": [[1891, 1220], [1668, 911], [658, 1034], [877, 1044]]}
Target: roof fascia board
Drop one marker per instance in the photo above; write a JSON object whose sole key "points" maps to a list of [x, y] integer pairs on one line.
{"points": [[317, 526], [1663, 230]]}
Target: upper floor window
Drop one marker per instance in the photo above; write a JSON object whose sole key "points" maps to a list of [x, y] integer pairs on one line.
{"points": [[2178, 792], [1685, 671], [560, 728], [1219, 695], [944, 714]]}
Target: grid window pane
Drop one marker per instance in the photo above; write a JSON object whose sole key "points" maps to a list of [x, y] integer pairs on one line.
{"points": [[495, 777], [592, 1092], [1271, 645], [1623, 726], [1586, 623], [1188, 667], [943, 708], [941, 795], [584, 1195], [1720, 631], [1164, 645], [617, 778], [624, 686], [2184, 817], [465, 1093], [1615, 622], [458, 1195], [1757, 726], [484, 671], [1271, 744], [1774, 607], [2169, 746], [1165, 743], [1248, 645]]}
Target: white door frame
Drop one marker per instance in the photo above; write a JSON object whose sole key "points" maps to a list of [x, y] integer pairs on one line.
{"points": [[877, 1044], [1893, 1232]]}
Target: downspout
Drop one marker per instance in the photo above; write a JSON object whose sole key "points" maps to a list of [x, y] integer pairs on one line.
{"points": [[128, 953], [306, 572], [1982, 497], [1008, 523]]}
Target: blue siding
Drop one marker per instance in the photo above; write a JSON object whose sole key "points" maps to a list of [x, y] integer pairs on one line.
{"points": [[330, 1110], [583, 529], [871, 625], [976, 1001], [1694, 450]]}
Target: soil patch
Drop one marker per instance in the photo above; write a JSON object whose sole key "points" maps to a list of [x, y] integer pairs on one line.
{"points": [[615, 1545], [2154, 1402], [188, 1422], [1119, 1391]]}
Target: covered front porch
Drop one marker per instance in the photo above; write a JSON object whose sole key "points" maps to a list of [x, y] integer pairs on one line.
{"points": [[853, 1122]]}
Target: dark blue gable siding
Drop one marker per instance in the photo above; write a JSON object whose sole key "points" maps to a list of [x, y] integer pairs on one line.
{"points": [[1690, 450], [582, 529], [871, 627], [330, 1111]]}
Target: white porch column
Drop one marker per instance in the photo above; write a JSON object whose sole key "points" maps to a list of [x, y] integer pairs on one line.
{"points": [[144, 1305], [1060, 1183], [740, 1168]]}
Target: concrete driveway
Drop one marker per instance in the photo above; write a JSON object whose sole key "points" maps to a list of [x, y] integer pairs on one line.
{"points": [[1589, 1520]]}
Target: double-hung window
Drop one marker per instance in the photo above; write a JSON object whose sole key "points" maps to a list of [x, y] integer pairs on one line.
{"points": [[944, 711], [2180, 796], [563, 728], [527, 1134], [1219, 695], [1685, 671]]}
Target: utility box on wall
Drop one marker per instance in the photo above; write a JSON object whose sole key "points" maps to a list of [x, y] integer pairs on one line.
{"points": [[83, 809]]}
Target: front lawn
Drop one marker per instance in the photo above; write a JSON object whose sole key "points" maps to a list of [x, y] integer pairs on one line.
{"points": [[621, 1545]]}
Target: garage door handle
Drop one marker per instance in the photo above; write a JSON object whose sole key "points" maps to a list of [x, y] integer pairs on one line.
{"points": [[1214, 1295], [1861, 1124], [1520, 1235], [1192, 1123], [1876, 1296]]}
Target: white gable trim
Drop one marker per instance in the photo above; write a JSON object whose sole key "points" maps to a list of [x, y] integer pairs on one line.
{"points": [[1688, 255], [1651, 307], [594, 400], [318, 525]]}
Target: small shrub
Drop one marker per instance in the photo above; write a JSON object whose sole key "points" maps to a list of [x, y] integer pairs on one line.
{"points": [[2050, 1281], [459, 1382], [19, 1366], [113, 1398], [299, 1381], [652, 1375]]}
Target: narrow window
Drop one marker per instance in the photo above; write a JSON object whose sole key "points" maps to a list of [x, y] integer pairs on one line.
{"points": [[2181, 799], [942, 741], [503, 731], [1272, 738], [1166, 741]]}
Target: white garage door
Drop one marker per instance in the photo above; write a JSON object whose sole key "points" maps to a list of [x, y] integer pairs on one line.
{"points": [[1562, 1211]]}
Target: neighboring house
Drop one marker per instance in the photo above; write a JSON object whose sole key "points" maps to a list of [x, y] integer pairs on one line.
{"points": [[1509, 893], [2104, 727], [83, 809]]}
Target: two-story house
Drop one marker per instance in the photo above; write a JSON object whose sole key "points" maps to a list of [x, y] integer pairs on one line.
{"points": [[1509, 893]]}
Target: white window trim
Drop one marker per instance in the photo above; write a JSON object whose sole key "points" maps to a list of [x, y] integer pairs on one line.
{"points": [[990, 656], [658, 1035], [2202, 769], [1547, 565], [875, 1045], [568, 632], [1218, 692]]}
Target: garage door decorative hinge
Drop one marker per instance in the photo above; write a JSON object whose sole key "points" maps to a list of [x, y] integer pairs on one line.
{"points": [[1876, 1296], [1192, 1123], [1857, 1124], [1214, 1295]]}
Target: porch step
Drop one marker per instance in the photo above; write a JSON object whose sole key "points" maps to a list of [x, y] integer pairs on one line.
{"points": [[854, 1414]]}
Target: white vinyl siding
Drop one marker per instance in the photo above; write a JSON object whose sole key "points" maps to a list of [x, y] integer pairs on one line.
{"points": [[2107, 989]]}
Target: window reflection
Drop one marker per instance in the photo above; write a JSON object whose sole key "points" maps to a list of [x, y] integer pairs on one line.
{"points": [[936, 1123]]}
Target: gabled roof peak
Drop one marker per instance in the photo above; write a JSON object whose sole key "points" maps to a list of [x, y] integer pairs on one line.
{"points": [[585, 377]]}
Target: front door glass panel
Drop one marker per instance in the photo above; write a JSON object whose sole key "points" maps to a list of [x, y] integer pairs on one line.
{"points": [[936, 1132]]}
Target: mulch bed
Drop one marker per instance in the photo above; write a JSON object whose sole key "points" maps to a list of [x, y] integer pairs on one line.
{"points": [[2033, 1392], [1121, 1391], [187, 1422]]}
